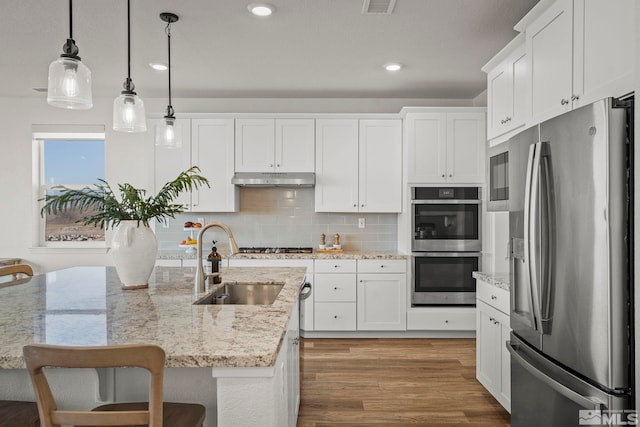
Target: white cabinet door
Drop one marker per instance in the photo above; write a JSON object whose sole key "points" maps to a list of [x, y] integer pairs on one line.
{"points": [[336, 187], [382, 302], [169, 162], [603, 41], [380, 166], [427, 147], [504, 388], [255, 141], [550, 53], [293, 368], [465, 147], [500, 99], [295, 145], [507, 84], [487, 336], [212, 149]]}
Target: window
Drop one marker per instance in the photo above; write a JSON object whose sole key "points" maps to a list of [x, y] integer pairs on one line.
{"points": [[75, 160]]}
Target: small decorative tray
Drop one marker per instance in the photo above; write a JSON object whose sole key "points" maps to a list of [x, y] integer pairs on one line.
{"points": [[329, 251]]}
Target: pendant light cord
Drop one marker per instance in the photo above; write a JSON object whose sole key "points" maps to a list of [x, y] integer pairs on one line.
{"points": [[128, 42], [168, 31], [70, 20]]}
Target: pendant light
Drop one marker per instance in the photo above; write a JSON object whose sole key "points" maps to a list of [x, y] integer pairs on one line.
{"points": [[128, 108], [69, 79], [169, 134]]}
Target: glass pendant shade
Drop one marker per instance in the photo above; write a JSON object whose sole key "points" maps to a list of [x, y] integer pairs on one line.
{"points": [[69, 84], [169, 134], [129, 114]]}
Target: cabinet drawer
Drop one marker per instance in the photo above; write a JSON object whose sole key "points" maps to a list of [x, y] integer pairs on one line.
{"points": [[335, 266], [442, 319], [382, 266], [496, 297], [335, 287], [335, 316]]}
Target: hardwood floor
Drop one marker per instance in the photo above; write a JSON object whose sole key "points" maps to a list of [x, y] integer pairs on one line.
{"points": [[393, 382]]}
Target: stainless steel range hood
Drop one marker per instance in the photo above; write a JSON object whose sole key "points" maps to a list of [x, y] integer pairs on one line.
{"points": [[258, 179]]}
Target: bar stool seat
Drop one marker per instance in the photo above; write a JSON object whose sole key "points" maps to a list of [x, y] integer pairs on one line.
{"points": [[15, 413]]}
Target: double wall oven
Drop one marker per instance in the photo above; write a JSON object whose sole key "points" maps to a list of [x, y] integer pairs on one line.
{"points": [[446, 244]]}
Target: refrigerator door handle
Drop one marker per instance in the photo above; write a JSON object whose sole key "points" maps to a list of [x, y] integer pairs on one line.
{"points": [[531, 221], [589, 402], [548, 231]]}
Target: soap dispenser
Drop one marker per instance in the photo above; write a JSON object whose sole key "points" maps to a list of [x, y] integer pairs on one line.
{"points": [[214, 259]]}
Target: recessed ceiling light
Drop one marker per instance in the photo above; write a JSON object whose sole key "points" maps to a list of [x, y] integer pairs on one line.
{"points": [[158, 66], [393, 66], [261, 9]]}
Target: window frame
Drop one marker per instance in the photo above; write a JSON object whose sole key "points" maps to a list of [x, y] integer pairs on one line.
{"points": [[39, 189]]}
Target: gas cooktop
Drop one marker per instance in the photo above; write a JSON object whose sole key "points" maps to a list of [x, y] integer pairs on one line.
{"points": [[275, 250]]}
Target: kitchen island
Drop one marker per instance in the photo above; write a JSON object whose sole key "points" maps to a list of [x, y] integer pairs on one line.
{"points": [[232, 358]]}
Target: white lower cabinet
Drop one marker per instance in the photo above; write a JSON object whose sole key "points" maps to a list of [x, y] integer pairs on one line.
{"points": [[334, 293], [292, 378], [382, 295], [493, 364]]}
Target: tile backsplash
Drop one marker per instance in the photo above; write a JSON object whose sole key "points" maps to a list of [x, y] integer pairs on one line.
{"points": [[285, 217]]}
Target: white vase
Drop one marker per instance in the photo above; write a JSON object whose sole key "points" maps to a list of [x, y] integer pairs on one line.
{"points": [[134, 248]]}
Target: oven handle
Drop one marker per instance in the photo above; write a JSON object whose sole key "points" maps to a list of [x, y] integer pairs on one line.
{"points": [[446, 202], [445, 254]]}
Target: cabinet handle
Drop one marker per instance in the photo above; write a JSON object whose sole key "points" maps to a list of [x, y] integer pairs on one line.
{"points": [[495, 322], [564, 101], [335, 317], [362, 206], [335, 288], [361, 281], [355, 205], [443, 175], [575, 97], [271, 165], [278, 165], [508, 119], [450, 175], [446, 321], [381, 265], [494, 297], [336, 266], [503, 122]]}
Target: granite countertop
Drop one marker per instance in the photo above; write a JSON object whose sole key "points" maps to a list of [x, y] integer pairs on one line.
{"points": [[86, 306], [500, 280], [314, 255]]}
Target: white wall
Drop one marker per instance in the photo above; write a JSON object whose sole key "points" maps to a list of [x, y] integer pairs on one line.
{"points": [[129, 158]]}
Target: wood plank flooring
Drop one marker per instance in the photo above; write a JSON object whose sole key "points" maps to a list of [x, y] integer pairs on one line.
{"points": [[393, 382]]}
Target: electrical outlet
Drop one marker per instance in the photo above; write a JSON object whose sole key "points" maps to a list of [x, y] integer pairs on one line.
{"points": [[360, 222], [201, 221]]}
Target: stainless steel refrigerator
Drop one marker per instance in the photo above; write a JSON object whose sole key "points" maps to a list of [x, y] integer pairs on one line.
{"points": [[571, 269]]}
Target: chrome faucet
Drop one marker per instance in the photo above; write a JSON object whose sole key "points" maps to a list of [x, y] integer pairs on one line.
{"points": [[201, 278]]}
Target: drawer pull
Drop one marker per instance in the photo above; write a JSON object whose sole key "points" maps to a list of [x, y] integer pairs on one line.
{"points": [[335, 317], [335, 266], [382, 266], [494, 297], [335, 288], [491, 319], [446, 321], [564, 101]]}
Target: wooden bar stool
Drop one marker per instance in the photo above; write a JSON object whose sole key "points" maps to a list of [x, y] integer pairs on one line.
{"points": [[154, 413], [15, 270]]}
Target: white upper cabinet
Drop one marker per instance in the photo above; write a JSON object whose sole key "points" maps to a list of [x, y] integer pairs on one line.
{"points": [[380, 166], [446, 146], [604, 38], [295, 145], [336, 187], [212, 149], [579, 51], [506, 94], [358, 165], [208, 144], [274, 145]]}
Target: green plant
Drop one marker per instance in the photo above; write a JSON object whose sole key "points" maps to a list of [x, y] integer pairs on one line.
{"points": [[107, 210]]}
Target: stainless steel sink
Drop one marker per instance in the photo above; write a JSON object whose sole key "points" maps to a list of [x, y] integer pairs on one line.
{"points": [[243, 293]]}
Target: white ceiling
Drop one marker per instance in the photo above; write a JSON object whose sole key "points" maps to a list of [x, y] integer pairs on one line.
{"points": [[307, 49]]}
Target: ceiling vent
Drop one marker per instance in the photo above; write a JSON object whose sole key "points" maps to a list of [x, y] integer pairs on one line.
{"points": [[378, 7]]}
